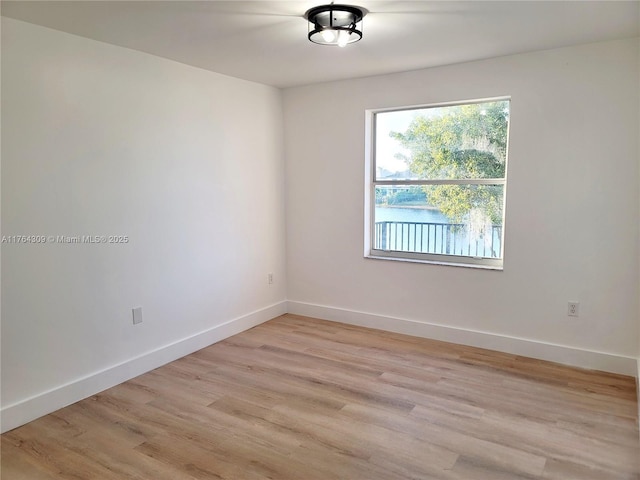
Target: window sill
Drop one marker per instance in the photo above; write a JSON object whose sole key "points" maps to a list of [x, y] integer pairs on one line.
{"points": [[499, 268]]}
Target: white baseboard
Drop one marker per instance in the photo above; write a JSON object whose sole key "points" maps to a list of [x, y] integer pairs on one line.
{"points": [[563, 354], [22, 412]]}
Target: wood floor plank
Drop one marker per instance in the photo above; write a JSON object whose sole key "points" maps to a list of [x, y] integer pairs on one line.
{"points": [[17, 465], [306, 399]]}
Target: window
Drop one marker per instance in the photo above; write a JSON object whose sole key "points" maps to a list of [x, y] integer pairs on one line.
{"points": [[436, 180]]}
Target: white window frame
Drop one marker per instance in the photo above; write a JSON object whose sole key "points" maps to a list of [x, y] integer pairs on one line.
{"points": [[371, 183]]}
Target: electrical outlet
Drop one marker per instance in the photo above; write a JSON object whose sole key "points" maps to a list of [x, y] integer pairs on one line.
{"points": [[573, 309], [137, 315], [270, 278]]}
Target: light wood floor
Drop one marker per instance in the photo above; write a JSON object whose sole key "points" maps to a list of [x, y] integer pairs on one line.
{"points": [[297, 398]]}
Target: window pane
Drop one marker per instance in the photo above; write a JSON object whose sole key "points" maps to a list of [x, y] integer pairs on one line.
{"points": [[464, 220], [442, 143]]}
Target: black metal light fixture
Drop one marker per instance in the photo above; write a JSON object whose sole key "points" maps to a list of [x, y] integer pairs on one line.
{"points": [[335, 24]]}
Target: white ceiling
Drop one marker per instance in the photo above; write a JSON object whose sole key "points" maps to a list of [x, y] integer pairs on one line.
{"points": [[265, 41]]}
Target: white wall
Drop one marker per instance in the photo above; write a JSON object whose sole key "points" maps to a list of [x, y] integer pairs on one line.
{"points": [[571, 218], [638, 362], [101, 140]]}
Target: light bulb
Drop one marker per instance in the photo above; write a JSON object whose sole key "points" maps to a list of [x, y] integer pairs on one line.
{"points": [[329, 35], [343, 38]]}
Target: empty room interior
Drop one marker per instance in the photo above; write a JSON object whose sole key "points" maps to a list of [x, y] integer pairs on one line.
{"points": [[294, 240]]}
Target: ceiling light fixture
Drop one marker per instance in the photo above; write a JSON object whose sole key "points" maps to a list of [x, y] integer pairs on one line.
{"points": [[335, 24]]}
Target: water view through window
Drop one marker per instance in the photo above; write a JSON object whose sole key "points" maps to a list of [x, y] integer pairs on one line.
{"points": [[416, 226]]}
